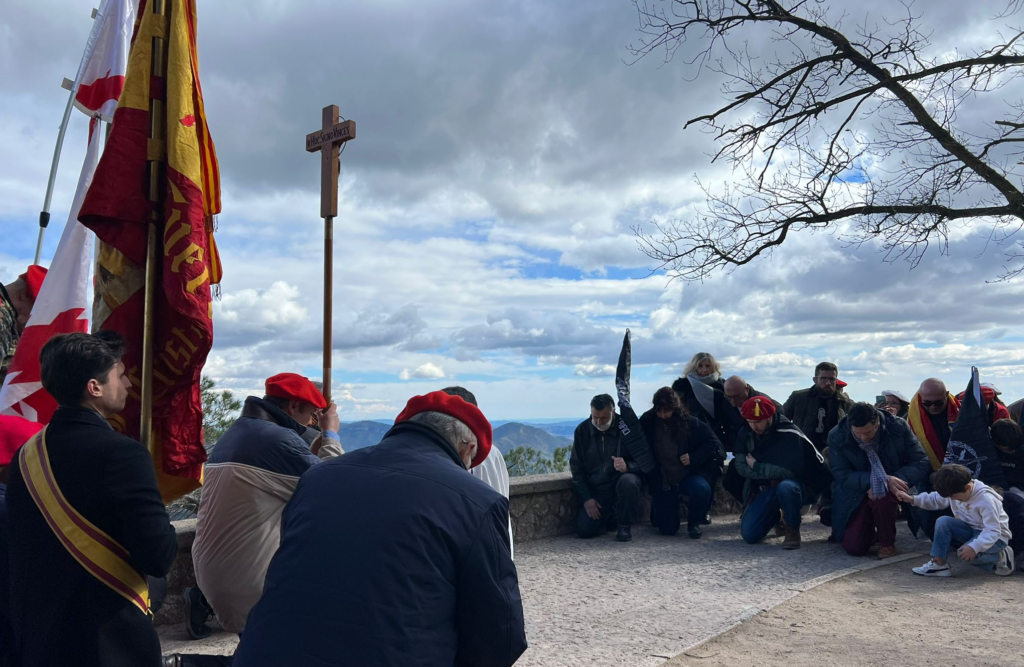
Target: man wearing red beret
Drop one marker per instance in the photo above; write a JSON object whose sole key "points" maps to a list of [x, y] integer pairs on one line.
{"points": [[418, 551], [249, 478], [782, 468], [16, 301]]}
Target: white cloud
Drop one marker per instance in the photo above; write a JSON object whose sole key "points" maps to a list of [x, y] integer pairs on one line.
{"points": [[427, 371], [486, 209]]}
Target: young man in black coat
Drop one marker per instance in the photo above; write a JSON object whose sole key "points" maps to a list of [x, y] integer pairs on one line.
{"points": [[62, 613], [417, 549]]}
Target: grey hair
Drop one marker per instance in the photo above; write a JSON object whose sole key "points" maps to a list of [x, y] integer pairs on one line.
{"points": [[454, 430], [691, 366]]}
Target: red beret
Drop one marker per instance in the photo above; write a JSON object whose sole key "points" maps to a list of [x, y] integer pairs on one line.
{"points": [[758, 408], [14, 432], [295, 387], [840, 383], [34, 279], [453, 406]]}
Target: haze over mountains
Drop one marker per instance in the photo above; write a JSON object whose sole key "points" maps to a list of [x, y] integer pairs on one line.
{"points": [[544, 437]]}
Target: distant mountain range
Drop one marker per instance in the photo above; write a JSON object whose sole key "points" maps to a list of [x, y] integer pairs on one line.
{"points": [[511, 435], [507, 435]]}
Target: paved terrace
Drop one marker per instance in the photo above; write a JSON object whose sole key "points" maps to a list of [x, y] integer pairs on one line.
{"points": [[598, 602]]}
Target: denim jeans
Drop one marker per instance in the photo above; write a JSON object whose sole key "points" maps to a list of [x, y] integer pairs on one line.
{"points": [[948, 529], [665, 503], [763, 513]]}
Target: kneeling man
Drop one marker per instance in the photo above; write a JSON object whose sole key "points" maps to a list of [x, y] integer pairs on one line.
{"points": [[250, 477], [873, 455], [782, 468], [605, 478]]}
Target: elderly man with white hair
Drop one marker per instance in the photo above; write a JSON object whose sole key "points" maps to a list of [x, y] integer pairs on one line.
{"points": [[394, 555]]}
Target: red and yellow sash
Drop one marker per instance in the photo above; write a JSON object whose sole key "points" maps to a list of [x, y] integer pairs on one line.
{"points": [[97, 552], [922, 427]]}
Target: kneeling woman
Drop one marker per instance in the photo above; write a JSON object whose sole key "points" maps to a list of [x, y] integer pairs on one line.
{"points": [[689, 457]]}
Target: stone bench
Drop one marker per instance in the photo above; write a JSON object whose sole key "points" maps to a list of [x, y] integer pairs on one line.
{"points": [[540, 506]]}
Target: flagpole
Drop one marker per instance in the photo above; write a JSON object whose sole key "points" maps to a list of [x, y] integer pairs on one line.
{"points": [[157, 141], [90, 47]]}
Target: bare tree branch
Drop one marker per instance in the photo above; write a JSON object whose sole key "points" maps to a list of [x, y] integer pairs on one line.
{"points": [[895, 167]]}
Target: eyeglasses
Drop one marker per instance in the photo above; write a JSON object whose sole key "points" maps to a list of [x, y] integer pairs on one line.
{"points": [[932, 404], [825, 379]]}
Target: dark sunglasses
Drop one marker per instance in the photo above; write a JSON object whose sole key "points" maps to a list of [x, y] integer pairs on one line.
{"points": [[931, 404]]}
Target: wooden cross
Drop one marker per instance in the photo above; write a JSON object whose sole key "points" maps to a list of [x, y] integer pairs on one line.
{"points": [[328, 140]]}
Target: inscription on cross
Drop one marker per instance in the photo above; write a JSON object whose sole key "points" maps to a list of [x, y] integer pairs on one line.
{"points": [[328, 139]]}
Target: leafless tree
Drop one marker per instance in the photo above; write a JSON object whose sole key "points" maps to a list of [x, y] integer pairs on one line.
{"points": [[861, 131]]}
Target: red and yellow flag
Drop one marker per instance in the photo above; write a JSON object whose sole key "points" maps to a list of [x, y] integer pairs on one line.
{"points": [[117, 208]]}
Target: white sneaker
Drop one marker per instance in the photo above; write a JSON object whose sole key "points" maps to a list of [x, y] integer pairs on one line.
{"points": [[933, 569], [1004, 567]]}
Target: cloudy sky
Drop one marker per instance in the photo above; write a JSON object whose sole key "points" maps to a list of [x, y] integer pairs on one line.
{"points": [[505, 151]]}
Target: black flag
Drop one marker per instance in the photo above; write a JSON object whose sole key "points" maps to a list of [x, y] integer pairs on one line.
{"points": [[970, 443], [632, 435]]}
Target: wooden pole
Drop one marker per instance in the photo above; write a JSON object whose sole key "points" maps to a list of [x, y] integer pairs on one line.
{"points": [[156, 153], [328, 303]]}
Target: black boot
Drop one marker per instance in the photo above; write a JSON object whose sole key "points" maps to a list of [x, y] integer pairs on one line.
{"points": [[694, 531], [197, 611], [624, 534]]}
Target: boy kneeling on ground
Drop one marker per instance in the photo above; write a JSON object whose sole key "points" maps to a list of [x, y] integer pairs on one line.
{"points": [[978, 521]]}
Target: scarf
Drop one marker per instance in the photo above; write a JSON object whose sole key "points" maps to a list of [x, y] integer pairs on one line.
{"points": [[703, 391], [922, 427], [879, 478]]}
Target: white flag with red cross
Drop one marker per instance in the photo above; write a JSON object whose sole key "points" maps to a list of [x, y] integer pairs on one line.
{"points": [[102, 74], [62, 306]]}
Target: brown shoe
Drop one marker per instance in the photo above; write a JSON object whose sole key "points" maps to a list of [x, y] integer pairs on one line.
{"points": [[886, 552], [792, 540], [780, 529]]}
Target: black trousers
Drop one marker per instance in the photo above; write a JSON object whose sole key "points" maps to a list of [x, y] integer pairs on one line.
{"points": [[618, 507]]}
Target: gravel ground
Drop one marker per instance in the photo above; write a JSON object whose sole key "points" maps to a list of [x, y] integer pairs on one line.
{"points": [[601, 603], [886, 616]]}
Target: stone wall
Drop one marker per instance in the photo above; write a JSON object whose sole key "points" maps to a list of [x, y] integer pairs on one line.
{"points": [[540, 506]]}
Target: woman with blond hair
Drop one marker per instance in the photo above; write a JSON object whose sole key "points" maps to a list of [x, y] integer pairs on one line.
{"points": [[702, 390]]}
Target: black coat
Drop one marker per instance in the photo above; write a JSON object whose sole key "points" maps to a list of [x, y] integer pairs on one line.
{"points": [[6, 631], [392, 555], [736, 422], [720, 423], [590, 461], [62, 615], [783, 452], [705, 450]]}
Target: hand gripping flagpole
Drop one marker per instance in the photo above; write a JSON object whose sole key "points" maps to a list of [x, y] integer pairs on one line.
{"points": [[90, 46], [157, 153]]}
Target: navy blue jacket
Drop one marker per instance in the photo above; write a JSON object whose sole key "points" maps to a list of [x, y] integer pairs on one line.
{"points": [[390, 555], [901, 455]]}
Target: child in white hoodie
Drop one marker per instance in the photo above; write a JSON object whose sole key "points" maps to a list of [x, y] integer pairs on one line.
{"points": [[978, 521]]}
